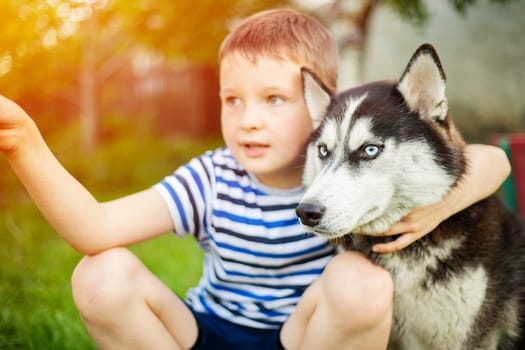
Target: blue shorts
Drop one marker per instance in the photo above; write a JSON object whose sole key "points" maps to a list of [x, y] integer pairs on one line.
{"points": [[217, 334]]}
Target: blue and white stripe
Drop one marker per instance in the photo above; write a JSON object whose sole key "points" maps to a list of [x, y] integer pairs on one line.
{"points": [[259, 260]]}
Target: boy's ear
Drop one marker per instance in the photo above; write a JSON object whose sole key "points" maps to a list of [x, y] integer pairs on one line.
{"points": [[316, 95], [422, 84]]}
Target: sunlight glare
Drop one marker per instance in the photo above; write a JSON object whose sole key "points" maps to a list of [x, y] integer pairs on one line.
{"points": [[24, 11], [6, 62], [85, 2], [81, 14], [64, 10], [67, 30], [50, 38], [42, 22]]}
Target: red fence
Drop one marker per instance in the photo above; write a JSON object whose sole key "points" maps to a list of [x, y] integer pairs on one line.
{"points": [[513, 189]]}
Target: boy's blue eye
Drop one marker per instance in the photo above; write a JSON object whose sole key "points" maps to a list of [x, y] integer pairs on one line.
{"points": [[274, 99], [233, 101]]}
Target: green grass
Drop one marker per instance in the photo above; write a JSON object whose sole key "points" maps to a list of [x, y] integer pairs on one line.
{"points": [[37, 310], [36, 305]]}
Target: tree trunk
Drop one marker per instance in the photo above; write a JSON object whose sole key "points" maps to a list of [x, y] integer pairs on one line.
{"points": [[88, 108]]}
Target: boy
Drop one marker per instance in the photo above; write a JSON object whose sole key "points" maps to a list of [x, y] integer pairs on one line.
{"points": [[266, 284]]}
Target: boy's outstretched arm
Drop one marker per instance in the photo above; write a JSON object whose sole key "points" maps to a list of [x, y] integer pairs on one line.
{"points": [[87, 225], [488, 168]]}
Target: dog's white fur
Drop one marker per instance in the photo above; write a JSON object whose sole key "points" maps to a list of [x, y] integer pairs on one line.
{"points": [[452, 316]]}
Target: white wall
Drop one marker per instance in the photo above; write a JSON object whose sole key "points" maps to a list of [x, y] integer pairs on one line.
{"points": [[482, 52]]}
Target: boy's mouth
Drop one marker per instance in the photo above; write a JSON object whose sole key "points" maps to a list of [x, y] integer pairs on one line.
{"points": [[254, 149]]}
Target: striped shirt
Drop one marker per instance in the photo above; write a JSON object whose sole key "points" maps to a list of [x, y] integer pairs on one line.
{"points": [[258, 258]]}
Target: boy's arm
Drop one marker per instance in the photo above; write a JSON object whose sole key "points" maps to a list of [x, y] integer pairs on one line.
{"points": [[87, 225], [488, 168]]}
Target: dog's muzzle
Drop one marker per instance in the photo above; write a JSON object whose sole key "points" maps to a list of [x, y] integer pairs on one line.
{"points": [[310, 213]]}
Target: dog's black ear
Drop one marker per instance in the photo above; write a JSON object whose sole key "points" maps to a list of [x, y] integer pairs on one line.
{"points": [[317, 96], [422, 84]]}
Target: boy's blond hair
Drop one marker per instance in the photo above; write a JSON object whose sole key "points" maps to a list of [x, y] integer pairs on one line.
{"points": [[286, 34]]}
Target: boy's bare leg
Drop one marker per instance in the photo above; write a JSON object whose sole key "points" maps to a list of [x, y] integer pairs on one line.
{"points": [[348, 307], [124, 306]]}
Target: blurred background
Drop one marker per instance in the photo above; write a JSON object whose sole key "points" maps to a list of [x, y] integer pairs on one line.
{"points": [[124, 91]]}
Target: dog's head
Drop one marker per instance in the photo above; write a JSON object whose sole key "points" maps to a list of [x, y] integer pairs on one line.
{"points": [[378, 150]]}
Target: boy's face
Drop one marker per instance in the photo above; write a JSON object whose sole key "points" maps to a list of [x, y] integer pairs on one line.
{"points": [[264, 118]]}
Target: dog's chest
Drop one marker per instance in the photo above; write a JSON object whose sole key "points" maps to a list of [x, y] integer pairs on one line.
{"points": [[432, 314]]}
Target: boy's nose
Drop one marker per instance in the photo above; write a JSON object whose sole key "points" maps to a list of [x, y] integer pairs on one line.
{"points": [[251, 119]]}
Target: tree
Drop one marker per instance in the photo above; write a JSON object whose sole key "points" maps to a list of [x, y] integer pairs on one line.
{"points": [[349, 21], [65, 50], [29, 34], [416, 10]]}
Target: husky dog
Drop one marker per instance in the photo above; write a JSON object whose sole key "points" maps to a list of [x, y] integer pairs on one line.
{"points": [[384, 148]]}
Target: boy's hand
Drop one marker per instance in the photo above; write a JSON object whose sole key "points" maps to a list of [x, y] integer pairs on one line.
{"points": [[415, 225], [488, 168], [13, 119]]}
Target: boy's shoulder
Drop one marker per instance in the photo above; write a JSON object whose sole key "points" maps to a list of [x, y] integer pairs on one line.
{"points": [[222, 159], [221, 156]]}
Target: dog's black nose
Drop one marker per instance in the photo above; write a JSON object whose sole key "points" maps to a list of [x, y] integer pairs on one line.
{"points": [[310, 213]]}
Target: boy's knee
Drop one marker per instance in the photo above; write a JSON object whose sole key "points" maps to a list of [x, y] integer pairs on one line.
{"points": [[100, 282], [353, 285]]}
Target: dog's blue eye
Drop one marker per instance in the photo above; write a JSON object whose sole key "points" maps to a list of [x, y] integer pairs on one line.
{"points": [[322, 149], [371, 151]]}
